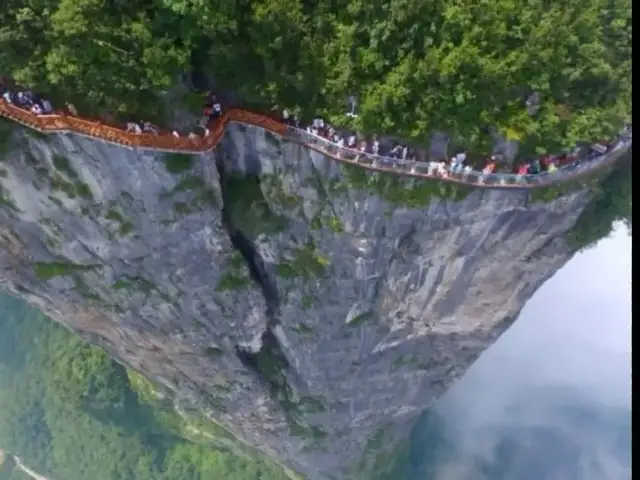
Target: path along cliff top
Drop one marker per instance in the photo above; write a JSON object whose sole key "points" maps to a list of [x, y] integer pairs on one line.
{"points": [[62, 121]]}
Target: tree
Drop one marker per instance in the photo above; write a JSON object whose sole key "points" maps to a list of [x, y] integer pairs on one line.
{"points": [[69, 411], [465, 65]]}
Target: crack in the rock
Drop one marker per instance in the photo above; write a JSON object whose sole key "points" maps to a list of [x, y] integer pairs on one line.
{"points": [[269, 361], [243, 244]]}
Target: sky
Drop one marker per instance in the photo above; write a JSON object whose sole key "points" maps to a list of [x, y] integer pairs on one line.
{"points": [[551, 399]]}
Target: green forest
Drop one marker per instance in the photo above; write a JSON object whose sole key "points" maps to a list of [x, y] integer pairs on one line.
{"points": [[69, 411], [611, 202], [415, 65]]}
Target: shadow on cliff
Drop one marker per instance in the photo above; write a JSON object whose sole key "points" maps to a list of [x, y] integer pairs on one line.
{"points": [[240, 193], [246, 212]]}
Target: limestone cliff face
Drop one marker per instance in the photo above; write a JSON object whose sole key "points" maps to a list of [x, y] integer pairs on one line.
{"points": [[312, 309]]}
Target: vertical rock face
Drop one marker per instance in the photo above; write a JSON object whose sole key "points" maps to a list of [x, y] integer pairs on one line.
{"points": [[312, 309]]}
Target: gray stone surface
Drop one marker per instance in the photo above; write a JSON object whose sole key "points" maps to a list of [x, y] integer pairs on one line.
{"points": [[381, 306]]}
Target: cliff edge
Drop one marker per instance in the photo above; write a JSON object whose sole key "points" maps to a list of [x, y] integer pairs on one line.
{"points": [[311, 308]]}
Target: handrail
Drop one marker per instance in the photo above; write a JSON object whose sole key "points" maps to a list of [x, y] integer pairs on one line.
{"points": [[165, 142]]}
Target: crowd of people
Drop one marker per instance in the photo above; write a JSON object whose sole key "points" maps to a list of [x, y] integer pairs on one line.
{"points": [[27, 100], [458, 163], [385, 150]]}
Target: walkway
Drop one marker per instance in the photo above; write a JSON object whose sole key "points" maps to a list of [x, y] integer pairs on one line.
{"points": [[166, 142], [21, 466]]}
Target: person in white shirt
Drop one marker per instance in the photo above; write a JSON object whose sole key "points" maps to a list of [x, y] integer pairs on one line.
{"points": [[351, 142], [442, 169], [340, 144]]}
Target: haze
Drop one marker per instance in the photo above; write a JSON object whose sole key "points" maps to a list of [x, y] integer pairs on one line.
{"points": [[552, 398]]}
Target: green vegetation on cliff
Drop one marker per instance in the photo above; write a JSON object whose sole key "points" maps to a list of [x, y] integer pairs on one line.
{"points": [[611, 203], [69, 411], [416, 66]]}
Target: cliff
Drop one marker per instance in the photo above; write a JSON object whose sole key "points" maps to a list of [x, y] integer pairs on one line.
{"points": [[312, 309]]}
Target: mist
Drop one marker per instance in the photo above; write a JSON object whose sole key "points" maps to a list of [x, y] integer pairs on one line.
{"points": [[552, 398]]}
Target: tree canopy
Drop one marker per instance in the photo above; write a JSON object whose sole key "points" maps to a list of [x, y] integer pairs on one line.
{"points": [[415, 65], [69, 411], [611, 203]]}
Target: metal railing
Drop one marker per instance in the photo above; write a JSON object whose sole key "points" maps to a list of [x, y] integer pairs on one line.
{"points": [[166, 142], [431, 169]]}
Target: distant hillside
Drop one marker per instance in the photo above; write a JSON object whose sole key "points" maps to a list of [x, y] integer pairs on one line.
{"points": [[69, 411]]}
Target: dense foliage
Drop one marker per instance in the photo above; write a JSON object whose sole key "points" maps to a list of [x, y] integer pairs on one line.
{"points": [[611, 203], [415, 65], [68, 410]]}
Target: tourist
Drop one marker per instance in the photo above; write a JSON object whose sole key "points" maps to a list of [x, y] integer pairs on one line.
{"points": [[460, 158], [46, 106], [147, 127], [133, 127], [535, 167], [376, 147], [217, 111], [72, 109], [457, 162], [443, 169], [490, 167], [523, 169]]}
